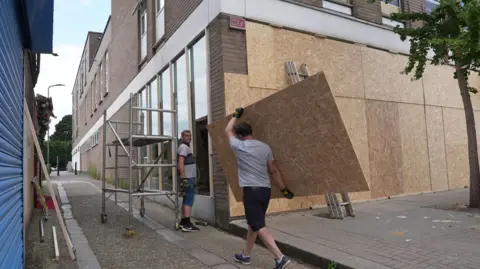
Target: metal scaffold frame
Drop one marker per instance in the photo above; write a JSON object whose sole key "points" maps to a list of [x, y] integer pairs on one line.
{"points": [[135, 140]]}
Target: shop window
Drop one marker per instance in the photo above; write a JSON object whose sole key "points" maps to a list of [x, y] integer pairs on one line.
{"points": [[166, 130], [153, 103], [180, 71], [198, 82]]}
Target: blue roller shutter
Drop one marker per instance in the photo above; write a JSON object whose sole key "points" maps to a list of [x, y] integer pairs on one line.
{"points": [[11, 138]]}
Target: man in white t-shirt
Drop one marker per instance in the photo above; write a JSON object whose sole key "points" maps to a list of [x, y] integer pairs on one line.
{"points": [[255, 166]]}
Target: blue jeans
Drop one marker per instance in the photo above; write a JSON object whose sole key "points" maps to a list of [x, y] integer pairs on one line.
{"points": [[189, 188]]}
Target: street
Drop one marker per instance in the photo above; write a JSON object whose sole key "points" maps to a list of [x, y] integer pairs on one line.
{"points": [[155, 245]]}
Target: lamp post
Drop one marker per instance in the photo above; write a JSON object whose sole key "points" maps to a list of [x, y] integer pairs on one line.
{"points": [[48, 129], [66, 149]]}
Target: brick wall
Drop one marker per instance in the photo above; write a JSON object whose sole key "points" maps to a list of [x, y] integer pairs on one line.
{"points": [[176, 12], [315, 3], [151, 21], [124, 46], [364, 10], [93, 156], [228, 53], [413, 6]]}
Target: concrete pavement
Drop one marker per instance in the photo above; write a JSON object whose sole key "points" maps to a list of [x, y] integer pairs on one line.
{"points": [[156, 244], [420, 231]]}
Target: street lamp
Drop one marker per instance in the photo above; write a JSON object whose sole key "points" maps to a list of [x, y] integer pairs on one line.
{"points": [[48, 129]]}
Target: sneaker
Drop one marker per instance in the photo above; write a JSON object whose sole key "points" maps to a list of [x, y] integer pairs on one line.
{"points": [[282, 264], [242, 259], [189, 227]]}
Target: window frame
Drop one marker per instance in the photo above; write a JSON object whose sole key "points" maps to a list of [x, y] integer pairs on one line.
{"points": [[160, 3], [106, 73]]}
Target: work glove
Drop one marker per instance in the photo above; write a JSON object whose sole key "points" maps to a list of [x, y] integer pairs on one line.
{"points": [[238, 112], [287, 193]]}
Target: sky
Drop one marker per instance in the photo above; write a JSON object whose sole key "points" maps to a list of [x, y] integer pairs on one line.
{"points": [[70, 28]]}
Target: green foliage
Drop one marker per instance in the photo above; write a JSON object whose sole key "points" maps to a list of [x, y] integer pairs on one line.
{"points": [[60, 144], [109, 180], [61, 149], [451, 30], [92, 171], [332, 265]]}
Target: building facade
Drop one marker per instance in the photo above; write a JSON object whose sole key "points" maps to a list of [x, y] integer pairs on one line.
{"points": [[215, 55], [25, 33]]}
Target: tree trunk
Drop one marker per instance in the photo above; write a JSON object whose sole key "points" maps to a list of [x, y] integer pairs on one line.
{"points": [[472, 139]]}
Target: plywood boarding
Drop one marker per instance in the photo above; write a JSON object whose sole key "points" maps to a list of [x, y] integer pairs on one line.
{"points": [[303, 126], [436, 147], [238, 93], [474, 81], [383, 80], [414, 148], [386, 177], [269, 48], [355, 119], [456, 147], [441, 89]]}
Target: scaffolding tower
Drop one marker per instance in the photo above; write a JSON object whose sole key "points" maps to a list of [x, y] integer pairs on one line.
{"points": [[136, 139]]}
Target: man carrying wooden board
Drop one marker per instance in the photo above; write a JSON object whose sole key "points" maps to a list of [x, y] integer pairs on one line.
{"points": [[255, 163]]}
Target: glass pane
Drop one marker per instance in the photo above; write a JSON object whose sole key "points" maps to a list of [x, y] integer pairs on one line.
{"points": [[166, 103], [200, 78], [154, 179], [181, 89], [165, 98], [199, 82], [153, 103], [142, 113]]}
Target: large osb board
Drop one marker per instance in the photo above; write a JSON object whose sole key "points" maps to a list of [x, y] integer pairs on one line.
{"points": [[413, 137], [398, 149], [456, 147], [238, 93], [441, 88], [304, 128], [353, 112], [436, 147], [354, 118], [383, 78], [269, 48], [384, 151]]}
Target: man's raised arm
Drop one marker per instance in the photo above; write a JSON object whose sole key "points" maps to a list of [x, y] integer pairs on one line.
{"points": [[231, 123]]}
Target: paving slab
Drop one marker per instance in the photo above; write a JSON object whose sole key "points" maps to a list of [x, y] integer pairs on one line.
{"points": [[39, 255], [208, 246], [206, 257], [108, 243], [417, 231]]}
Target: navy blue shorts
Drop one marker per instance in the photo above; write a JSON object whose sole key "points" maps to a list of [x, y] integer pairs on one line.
{"points": [[255, 202]]}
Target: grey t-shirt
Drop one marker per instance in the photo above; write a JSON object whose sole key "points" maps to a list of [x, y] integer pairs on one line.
{"points": [[252, 159], [189, 163]]}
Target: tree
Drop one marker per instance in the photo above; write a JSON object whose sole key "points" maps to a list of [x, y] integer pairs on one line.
{"points": [[63, 129], [452, 32], [60, 143]]}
